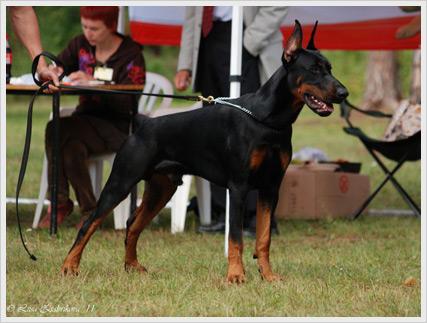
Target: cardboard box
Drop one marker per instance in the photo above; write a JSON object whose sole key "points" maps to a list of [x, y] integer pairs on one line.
{"points": [[315, 193]]}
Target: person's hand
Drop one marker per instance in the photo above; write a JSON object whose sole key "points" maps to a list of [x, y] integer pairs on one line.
{"points": [[80, 77], [182, 80], [47, 73]]}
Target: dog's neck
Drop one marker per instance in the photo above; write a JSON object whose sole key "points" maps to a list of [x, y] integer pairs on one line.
{"points": [[274, 102]]}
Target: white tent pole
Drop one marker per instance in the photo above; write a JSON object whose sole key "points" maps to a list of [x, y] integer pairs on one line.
{"points": [[236, 50], [121, 21], [235, 73]]}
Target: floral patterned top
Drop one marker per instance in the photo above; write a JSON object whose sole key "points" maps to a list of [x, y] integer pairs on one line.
{"points": [[128, 68]]}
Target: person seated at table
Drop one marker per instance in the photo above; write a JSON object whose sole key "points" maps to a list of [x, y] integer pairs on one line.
{"points": [[100, 122]]}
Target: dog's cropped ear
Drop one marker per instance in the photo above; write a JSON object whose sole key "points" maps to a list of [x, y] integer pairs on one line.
{"points": [[311, 45], [293, 44]]}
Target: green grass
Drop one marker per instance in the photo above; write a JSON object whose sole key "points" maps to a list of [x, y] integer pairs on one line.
{"points": [[331, 268]]}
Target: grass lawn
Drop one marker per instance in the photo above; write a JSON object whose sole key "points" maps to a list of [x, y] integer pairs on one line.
{"points": [[331, 268]]}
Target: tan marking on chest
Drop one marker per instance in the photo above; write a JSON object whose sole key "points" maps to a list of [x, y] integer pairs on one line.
{"points": [[257, 157], [284, 160]]}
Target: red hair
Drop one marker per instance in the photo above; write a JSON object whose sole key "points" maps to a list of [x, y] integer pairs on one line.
{"points": [[108, 15]]}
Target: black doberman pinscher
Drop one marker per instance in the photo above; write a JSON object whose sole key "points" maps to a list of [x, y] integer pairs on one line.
{"points": [[231, 148]]}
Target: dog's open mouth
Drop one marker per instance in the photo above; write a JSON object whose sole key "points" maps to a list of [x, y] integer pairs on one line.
{"points": [[322, 108]]}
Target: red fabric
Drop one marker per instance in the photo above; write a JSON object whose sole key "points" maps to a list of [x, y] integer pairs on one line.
{"points": [[363, 35], [207, 21], [155, 34], [378, 34]]}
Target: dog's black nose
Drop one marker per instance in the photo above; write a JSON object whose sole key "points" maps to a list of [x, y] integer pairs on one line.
{"points": [[342, 93]]}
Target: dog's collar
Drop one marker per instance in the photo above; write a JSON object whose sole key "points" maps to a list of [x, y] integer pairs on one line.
{"points": [[221, 100]]}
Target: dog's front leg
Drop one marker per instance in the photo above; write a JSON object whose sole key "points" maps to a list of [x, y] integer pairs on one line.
{"points": [[267, 201], [236, 272]]}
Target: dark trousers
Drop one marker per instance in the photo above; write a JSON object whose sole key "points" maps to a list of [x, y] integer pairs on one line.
{"points": [[213, 66], [81, 136], [213, 78]]}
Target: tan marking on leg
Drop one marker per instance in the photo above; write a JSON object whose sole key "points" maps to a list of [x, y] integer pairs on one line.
{"points": [[263, 240], [131, 261], [72, 261], [235, 273], [257, 157], [157, 193]]}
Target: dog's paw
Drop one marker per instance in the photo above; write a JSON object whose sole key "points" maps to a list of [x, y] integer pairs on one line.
{"points": [[265, 271], [70, 269], [236, 278], [271, 277], [236, 275], [130, 267], [268, 275]]}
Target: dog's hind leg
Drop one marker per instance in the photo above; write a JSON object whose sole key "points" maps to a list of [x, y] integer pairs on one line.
{"points": [[158, 191], [110, 198], [235, 271], [118, 186]]}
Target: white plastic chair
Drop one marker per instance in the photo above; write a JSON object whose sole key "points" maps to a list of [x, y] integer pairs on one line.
{"points": [[155, 83], [95, 165]]}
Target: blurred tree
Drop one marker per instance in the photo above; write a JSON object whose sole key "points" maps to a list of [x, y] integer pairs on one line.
{"points": [[67, 26], [409, 30], [415, 90], [58, 25], [382, 87]]}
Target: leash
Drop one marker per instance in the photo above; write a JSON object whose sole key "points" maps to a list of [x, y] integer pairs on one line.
{"points": [[27, 144], [208, 99]]}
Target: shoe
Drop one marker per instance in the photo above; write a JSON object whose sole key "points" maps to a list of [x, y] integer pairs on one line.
{"points": [[274, 231], [63, 211], [218, 227], [274, 227], [193, 206]]}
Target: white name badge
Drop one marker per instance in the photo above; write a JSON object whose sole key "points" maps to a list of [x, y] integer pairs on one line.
{"points": [[103, 73]]}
